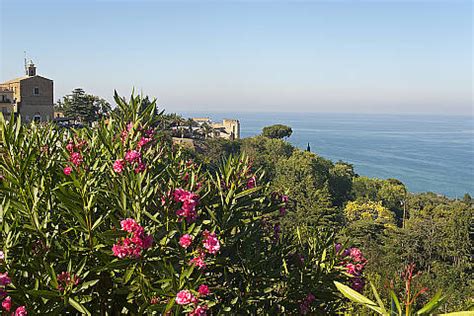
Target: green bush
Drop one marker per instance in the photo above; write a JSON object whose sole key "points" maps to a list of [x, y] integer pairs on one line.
{"points": [[116, 220]]}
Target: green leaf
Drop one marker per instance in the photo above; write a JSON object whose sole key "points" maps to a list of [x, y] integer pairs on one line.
{"points": [[377, 297], [433, 304], [395, 303], [357, 297], [78, 306]]}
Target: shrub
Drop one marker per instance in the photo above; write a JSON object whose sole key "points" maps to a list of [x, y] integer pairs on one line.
{"points": [[116, 219]]}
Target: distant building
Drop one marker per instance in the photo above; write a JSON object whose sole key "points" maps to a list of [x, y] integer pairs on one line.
{"points": [[30, 96], [228, 128]]}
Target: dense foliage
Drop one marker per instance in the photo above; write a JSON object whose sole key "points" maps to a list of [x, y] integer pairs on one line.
{"points": [[115, 219], [393, 227], [83, 107], [277, 131]]}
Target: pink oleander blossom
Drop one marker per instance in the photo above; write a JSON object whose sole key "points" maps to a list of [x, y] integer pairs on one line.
{"points": [[131, 247], [7, 303], [199, 261], [21, 311], [185, 241], [119, 165], [185, 297], [5, 279], [251, 183], [356, 255], [143, 142], [76, 158], [67, 170], [133, 156], [70, 147], [210, 242], [2, 255], [129, 225], [204, 290], [189, 202], [200, 310]]}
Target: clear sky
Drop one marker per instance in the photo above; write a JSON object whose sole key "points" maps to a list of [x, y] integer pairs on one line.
{"points": [[296, 56]]}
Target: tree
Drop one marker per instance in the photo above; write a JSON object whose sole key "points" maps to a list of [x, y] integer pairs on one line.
{"points": [[277, 131], [84, 107], [304, 176]]}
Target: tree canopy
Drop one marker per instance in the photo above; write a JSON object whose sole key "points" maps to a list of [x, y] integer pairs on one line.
{"points": [[277, 131], [84, 107]]}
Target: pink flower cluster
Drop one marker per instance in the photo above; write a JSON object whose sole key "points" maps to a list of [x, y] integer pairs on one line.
{"points": [[134, 158], [75, 155], [185, 241], [2, 255], [65, 280], [7, 300], [133, 245], [210, 242], [186, 297], [189, 202], [305, 305], [354, 262]]}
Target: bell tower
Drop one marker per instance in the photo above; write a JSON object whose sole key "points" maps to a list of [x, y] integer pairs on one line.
{"points": [[31, 69]]}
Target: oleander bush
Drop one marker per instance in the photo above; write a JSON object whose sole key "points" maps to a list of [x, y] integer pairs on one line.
{"points": [[115, 219]]}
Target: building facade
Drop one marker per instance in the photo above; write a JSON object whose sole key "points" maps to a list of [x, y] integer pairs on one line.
{"points": [[30, 96], [228, 128]]}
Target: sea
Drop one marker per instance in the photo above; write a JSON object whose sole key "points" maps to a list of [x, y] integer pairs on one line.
{"points": [[426, 152]]}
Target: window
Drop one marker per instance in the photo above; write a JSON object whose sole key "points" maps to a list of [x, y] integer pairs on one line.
{"points": [[36, 91]]}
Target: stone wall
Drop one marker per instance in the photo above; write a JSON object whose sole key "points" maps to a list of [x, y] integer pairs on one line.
{"points": [[33, 105]]}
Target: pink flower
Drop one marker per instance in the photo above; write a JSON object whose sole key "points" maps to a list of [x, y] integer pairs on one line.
{"points": [[133, 156], [203, 290], [70, 147], [140, 167], [129, 225], [2, 255], [356, 255], [76, 158], [119, 165], [200, 310], [185, 240], [351, 269], [188, 208], [4, 279], [21, 311], [251, 183], [185, 297], [7, 303], [132, 247], [143, 142], [210, 242], [67, 170], [199, 261]]}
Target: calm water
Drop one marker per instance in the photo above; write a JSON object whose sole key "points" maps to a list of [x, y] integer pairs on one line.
{"points": [[428, 153]]}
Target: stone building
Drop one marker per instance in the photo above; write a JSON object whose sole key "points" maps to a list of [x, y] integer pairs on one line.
{"points": [[30, 96], [228, 128]]}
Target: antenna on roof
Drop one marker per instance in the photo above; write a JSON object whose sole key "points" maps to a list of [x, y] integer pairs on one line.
{"points": [[26, 66]]}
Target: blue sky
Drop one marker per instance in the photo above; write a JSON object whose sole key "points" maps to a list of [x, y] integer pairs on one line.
{"points": [[297, 56]]}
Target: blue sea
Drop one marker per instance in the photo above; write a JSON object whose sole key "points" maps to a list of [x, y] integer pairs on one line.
{"points": [[427, 153]]}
